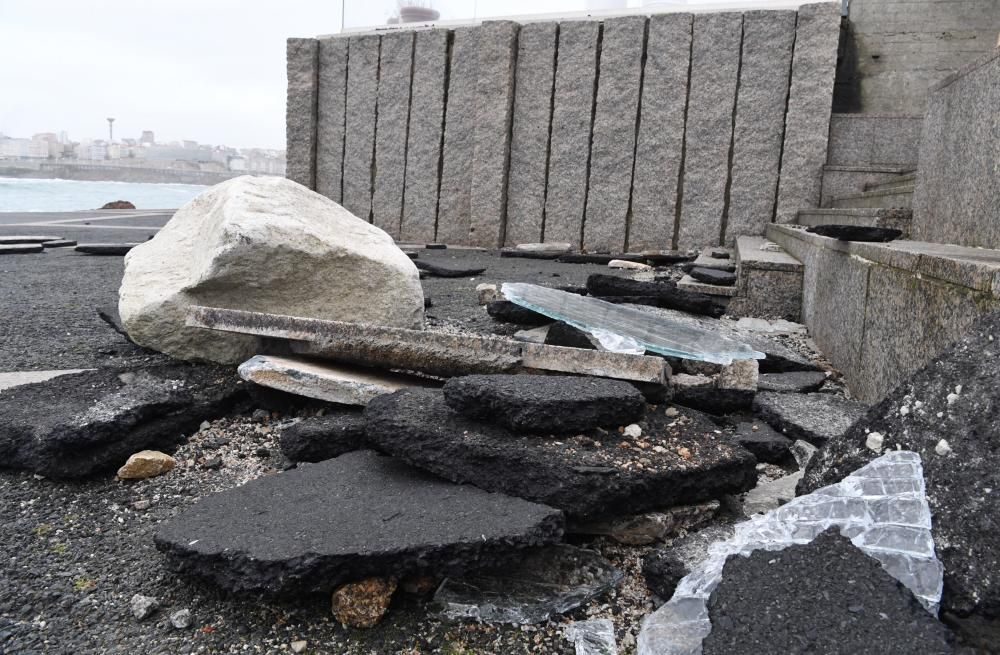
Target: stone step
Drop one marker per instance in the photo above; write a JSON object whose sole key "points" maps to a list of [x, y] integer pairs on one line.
{"points": [[904, 180], [769, 281], [860, 216], [688, 283], [900, 197], [844, 180]]}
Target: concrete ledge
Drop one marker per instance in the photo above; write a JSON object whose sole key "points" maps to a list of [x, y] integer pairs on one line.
{"points": [[880, 311], [769, 282]]}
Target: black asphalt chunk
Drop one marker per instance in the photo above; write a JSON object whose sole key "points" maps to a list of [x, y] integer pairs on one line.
{"points": [[856, 233], [17, 239], [563, 334], [546, 403], [59, 243], [21, 249], [318, 438], [713, 276], [823, 597], [666, 293], [662, 571], [766, 445], [358, 515], [596, 258], [443, 271], [105, 248], [529, 254], [81, 424], [949, 413], [677, 460], [813, 417], [792, 382], [508, 312]]}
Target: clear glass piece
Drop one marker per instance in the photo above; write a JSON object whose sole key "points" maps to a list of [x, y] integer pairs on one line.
{"points": [[648, 331], [881, 508]]}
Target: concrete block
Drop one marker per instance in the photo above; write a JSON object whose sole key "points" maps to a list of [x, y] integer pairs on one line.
{"points": [[454, 208], [359, 140], [395, 69], [529, 148], [760, 118], [491, 145], [572, 112], [851, 139], [612, 150], [331, 117], [423, 150], [301, 61], [715, 59], [659, 148], [807, 121]]}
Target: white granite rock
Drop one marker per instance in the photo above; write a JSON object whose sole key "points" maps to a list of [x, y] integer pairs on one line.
{"points": [[263, 244]]}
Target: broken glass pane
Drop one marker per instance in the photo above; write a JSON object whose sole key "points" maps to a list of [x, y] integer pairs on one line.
{"points": [[594, 637], [880, 507], [648, 331]]}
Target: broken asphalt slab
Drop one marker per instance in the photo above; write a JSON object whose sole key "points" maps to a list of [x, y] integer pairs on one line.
{"points": [[80, 424], [813, 417], [356, 516], [667, 293], [110, 249], [792, 382], [677, 460], [318, 438], [545, 403]]}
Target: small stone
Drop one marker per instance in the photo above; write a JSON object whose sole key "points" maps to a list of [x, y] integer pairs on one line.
{"points": [[635, 266], [213, 464], [146, 464], [299, 646], [141, 505], [875, 442], [363, 604], [942, 448], [672, 412], [487, 293], [181, 619], [143, 606], [633, 431], [260, 415], [741, 375]]}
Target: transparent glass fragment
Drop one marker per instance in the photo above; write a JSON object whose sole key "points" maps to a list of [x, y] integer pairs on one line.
{"points": [[544, 583], [649, 331], [594, 637], [881, 508]]}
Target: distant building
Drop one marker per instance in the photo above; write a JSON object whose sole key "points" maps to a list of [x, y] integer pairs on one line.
{"points": [[147, 138], [34, 148]]}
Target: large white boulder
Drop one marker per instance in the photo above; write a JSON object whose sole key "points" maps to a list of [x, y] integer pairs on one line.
{"points": [[263, 244]]}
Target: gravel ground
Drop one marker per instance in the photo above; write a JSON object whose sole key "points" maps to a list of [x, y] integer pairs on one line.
{"points": [[73, 554]]}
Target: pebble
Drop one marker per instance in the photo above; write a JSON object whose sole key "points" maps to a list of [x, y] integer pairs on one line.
{"points": [[633, 431], [143, 606], [181, 619], [943, 448], [299, 646], [875, 441]]}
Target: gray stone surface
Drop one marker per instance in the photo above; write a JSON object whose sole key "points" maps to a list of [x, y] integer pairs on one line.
{"points": [[660, 143], [423, 152], [359, 143], [454, 202], [395, 69], [958, 185], [794, 382], [715, 60], [572, 112], [760, 120], [491, 146], [529, 148], [301, 61], [348, 518], [814, 417], [874, 140], [612, 150], [331, 117], [807, 121]]}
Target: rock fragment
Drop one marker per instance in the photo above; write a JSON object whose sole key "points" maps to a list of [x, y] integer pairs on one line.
{"points": [[142, 607], [763, 441], [323, 437], [181, 619], [814, 417], [362, 604], [146, 464]]}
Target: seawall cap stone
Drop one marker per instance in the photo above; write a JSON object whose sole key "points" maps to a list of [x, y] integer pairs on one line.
{"points": [[263, 244]]}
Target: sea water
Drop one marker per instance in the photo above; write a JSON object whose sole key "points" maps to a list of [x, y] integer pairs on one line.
{"points": [[28, 195]]}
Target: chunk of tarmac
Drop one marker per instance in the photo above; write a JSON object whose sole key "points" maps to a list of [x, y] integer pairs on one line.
{"points": [[21, 249], [823, 597], [319, 438], [856, 233], [546, 403], [792, 382], [813, 417], [666, 294], [349, 518], [676, 460], [107, 249], [16, 239]]}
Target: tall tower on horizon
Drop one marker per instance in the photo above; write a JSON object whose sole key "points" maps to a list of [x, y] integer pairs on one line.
{"points": [[111, 130]]}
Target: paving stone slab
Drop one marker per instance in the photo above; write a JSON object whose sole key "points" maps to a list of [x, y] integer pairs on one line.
{"points": [[823, 597], [302, 62], [81, 424], [545, 403], [359, 139], [395, 68], [794, 382], [319, 438], [356, 516], [814, 417], [330, 117], [683, 460]]}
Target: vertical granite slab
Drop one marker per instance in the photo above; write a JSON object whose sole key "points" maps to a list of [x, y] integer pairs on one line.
{"points": [[768, 37], [807, 121], [715, 60], [572, 114], [395, 71], [612, 150], [529, 146], [359, 140], [454, 208], [330, 117], [423, 151], [301, 61], [491, 146], [659, 148]]}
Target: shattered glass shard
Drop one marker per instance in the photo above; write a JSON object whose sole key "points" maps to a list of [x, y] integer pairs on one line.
{"points": [[594, 637], [881, 508], [636, 328], [546, 582]]}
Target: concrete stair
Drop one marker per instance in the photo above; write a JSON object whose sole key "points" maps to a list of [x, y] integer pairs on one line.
{"points": [[898, 219], [896, 193]]}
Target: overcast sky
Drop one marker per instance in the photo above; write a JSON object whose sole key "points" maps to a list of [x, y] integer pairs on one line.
{"points": [[208, 70]]}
